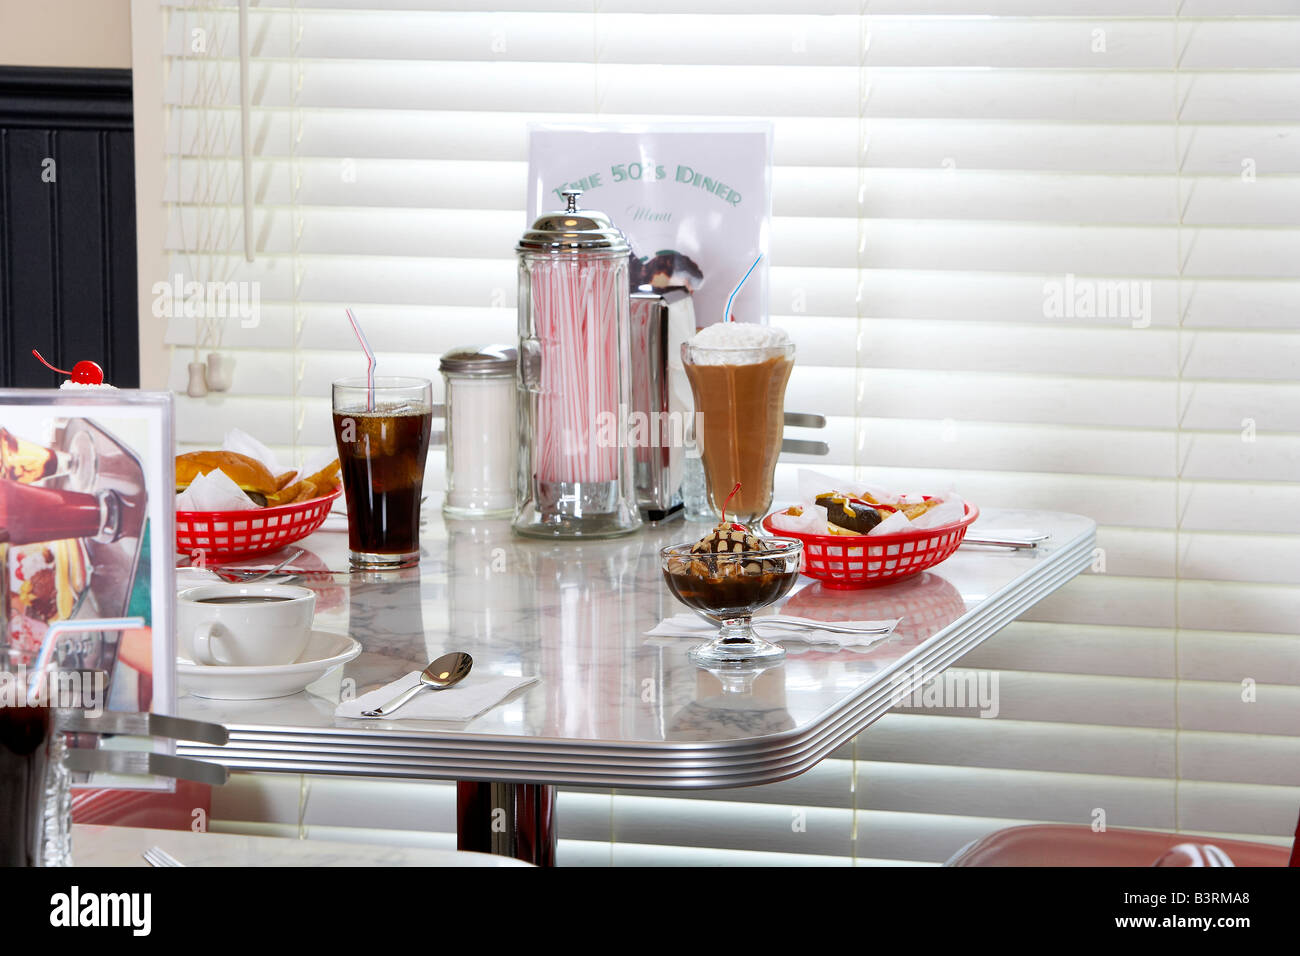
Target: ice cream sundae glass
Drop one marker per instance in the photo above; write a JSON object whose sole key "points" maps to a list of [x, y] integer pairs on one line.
{"points": [[726, 576]]}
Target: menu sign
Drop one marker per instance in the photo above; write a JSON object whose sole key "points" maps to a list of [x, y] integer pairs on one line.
{"points": [[86, 542], [694, 201]]}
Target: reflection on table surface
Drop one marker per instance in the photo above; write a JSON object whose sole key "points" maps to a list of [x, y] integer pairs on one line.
{"points": [[575, 614]]}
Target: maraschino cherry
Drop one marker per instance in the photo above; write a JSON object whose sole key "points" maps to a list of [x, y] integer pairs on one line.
{"points": [[734, 526], [84, 372]]}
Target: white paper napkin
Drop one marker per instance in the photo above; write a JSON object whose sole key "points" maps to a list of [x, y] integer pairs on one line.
{"points": [[813, 483], [240, 441], [894, 522], [812, 520], [692, 625], [213, 492], [952, 509], [465, 701]]}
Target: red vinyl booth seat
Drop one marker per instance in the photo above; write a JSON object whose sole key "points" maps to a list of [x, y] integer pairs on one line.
{"points": [[1057, 845], [145, 808]]}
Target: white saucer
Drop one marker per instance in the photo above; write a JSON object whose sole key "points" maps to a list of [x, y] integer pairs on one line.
{"points": [[324, 652]]}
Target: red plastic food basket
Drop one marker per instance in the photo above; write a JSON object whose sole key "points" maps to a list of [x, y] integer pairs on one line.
{"points": [[843, 561], [230, 535]]}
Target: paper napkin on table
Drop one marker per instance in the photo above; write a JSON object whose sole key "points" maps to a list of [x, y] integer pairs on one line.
{"points": [[464, 701], [692, 625]]}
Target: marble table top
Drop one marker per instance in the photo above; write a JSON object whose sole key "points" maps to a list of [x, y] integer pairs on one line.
{"points": [[613, 706], [123, 846]]}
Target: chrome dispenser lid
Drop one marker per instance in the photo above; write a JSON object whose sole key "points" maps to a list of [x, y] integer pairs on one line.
{"points": [[480, 360], [574, 230]]}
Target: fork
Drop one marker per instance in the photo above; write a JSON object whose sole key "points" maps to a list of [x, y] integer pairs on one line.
{"points": [[157, 856], [235, 576]]}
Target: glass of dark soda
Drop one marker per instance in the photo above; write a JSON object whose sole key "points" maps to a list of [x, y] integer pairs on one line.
{"points": [[25, 735], [382, 433]]}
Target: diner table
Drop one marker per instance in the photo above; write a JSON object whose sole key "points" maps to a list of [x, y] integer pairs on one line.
{"points": [[612, 707]]}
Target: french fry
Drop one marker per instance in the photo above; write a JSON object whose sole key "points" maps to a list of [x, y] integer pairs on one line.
{"points": [[282, 480], [284, 495], [327, 478], [323, 482], [307, 491], [914, 511]]}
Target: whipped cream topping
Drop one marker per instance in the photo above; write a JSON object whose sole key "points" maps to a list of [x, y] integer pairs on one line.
{"points": [[737, 343]]}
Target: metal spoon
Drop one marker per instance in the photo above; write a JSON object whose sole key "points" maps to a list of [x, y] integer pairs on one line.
{"points": [[444, 672]]}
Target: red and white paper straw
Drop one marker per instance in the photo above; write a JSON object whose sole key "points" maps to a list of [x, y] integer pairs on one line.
{"points": [[370, 361], [576, 304]]}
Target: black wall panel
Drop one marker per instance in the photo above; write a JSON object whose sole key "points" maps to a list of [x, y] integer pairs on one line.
{"points": [[67, 224]]}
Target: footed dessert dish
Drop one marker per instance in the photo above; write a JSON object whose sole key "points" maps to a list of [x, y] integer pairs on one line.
{"points": [[726, 576]]}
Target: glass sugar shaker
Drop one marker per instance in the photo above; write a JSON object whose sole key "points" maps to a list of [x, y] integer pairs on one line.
{"points": [[482, 432], [575, 477]]}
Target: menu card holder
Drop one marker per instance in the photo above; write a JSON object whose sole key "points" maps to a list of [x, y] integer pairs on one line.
{"points": [[87, 562]]}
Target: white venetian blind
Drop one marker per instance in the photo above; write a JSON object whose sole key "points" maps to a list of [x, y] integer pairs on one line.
{"points": [[954, 179]]}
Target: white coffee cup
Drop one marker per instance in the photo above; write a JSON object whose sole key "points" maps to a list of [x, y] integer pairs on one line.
{"points": [[244, 625]]}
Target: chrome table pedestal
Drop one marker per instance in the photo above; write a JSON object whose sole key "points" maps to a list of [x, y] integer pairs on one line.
{"points": [[508, 819]]}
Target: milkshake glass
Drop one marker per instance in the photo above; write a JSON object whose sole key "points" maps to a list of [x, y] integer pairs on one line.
{"points": [[738, 374]]}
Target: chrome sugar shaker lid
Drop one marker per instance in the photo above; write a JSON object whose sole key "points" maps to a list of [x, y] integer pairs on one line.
{"points": [[480, 360]]}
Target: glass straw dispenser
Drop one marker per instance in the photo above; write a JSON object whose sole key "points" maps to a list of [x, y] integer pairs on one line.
{"points": [[575, 465]]}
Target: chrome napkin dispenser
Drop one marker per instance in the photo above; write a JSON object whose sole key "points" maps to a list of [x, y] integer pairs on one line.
{"points": [[659, 426]]}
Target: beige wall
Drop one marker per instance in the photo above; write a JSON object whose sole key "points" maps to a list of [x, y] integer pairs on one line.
{"points": [[65, 33], [147, 75], [98, 33]]}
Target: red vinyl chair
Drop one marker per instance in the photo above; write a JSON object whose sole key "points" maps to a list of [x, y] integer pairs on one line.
{"points": [[1061, 845], [146, 808]]}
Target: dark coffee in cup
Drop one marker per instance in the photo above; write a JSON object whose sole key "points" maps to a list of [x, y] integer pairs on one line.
{"points": [[244, 599]]}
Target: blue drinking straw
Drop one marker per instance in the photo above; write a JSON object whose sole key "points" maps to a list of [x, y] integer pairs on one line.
{"points": [[726, 314], [57, 630]]}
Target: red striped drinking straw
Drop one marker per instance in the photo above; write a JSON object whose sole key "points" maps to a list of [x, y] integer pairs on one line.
{"points": [[370, 361]]}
